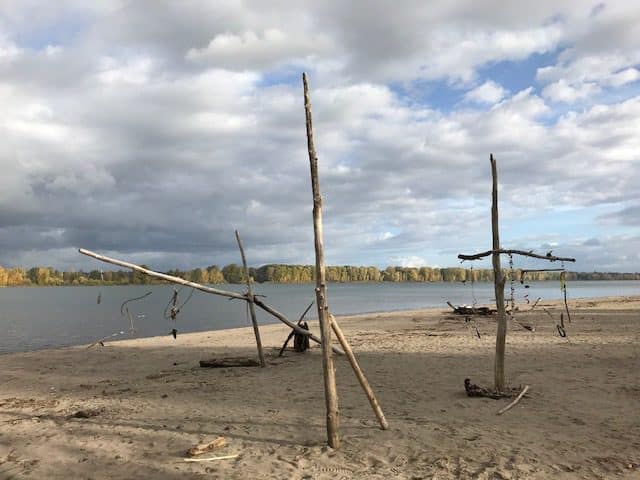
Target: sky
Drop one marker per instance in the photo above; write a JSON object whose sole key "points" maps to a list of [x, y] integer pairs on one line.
{"points": [[150, 130]]}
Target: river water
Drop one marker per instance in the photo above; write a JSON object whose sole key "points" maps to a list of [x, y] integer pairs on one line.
{"points": [[33, 318]]}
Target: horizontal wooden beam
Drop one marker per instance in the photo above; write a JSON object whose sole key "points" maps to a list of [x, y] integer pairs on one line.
{"points": [[549, 257], [163, 276], [206, 289]]}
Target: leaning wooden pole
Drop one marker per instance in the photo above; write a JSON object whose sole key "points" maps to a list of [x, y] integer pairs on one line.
{"points": [[498, 281], [252, 308], [204, 288], [364, 383], [330, 393]]}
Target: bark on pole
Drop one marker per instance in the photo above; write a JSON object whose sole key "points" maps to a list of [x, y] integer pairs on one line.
{"points": [[331, 395], [498, 280], [252, 308]]}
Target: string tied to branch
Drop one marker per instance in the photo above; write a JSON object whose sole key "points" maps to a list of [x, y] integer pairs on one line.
{"points": [[172, 309]]}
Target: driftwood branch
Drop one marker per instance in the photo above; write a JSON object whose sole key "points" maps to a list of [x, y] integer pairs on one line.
{"points": [[206, 289], [229, 362], [364, 383], [498, 282], [513, 404], [330, 392], [524, 271], [252, 308], [209, 459], [163, 276], [501, 251], [201, 448], [465, 310]]}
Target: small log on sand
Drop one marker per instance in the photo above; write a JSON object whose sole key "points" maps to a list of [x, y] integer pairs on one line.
{"points": [[466, 310], [206, 447], [229, 362]]}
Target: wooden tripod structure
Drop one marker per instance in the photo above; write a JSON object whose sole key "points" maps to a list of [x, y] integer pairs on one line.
{"points": [[327, 320], [499, 278]]}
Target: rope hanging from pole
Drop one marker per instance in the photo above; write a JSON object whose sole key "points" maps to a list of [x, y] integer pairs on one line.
{"points": [[124, 309], [175, 309], [99, 299], [124, 313], [473, 291], [531, 327], [563, 287]]}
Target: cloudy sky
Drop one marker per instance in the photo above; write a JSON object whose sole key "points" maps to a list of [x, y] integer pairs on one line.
{"points": [[150, 130]]}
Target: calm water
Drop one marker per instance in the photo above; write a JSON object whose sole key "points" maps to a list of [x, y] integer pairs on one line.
{"points": [[34, 318]]}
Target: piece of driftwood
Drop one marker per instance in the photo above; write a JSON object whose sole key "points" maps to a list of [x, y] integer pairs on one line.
{"points": [[210, 459], [512, 404], [467, 310], [331, 394], [364, 383], [524, 253], [252, 308], [201, 448], [499, 278], [229, 362], [474, 390], [301, 342], [104, 339], [180, 281], [293, 332], [498, 283], [163, 276], [89, 413]]}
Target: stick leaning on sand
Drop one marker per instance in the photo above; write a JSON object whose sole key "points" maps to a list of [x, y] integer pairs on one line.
{"points": [[513, 404]]}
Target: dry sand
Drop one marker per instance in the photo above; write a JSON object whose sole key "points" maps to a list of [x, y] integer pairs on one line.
{"points": [[581, 418]]}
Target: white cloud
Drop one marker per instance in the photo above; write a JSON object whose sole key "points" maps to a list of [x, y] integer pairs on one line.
{"points": [[251, 50], [456, 54], [8, 50], [601, 53], [489, 92], [623, 77], [604, 69], [112, 71], [561, 91], [410, 261]]}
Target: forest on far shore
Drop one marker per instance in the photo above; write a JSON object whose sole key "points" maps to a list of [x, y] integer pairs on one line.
{"points": [[48, 276]]}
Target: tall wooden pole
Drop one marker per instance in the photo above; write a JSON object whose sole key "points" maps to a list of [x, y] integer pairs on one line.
{"points": [[252, 308], [330, 393], [498, 280]]}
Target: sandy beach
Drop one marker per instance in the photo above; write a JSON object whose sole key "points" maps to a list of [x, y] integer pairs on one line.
{"points": [[148, 401]]}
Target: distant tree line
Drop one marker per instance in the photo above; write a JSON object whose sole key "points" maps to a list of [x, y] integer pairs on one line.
{"points": [[48, 276]]}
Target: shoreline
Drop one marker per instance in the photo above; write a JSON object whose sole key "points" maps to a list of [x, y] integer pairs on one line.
{"points": [[154, 283], [313, 322]]}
